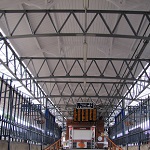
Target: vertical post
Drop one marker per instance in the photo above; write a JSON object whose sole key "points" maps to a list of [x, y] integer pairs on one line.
{"points": [[41, 137], [13, 116], [123, 115], [140, 112], [115, 127], [41, 125], [29, 146], [3, 125], [10, 106], [21, 119], [29, 111], [15, 110], [1, 87], [148, 118], [123, 125]]}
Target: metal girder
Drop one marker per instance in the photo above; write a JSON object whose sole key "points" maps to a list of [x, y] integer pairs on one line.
{"points": [[80, 77], [79, 82], [142, 75], [97, 15], [129, 75], [138, 63], [131, 65], [15, 66], [130, 72], [96, 87], [72, 105], [87, 96], [96, 91], [79, 58]]}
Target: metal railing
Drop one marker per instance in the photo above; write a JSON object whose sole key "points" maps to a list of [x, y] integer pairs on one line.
{"points": [[55, 146], [24, 124], [112, 145], [134, 128]]}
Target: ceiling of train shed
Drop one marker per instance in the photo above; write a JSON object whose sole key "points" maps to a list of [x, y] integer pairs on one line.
{"points": [[80, 50]]}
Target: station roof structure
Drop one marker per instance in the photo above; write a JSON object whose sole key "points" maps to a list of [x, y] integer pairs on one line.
{"points": [[80, 50]]}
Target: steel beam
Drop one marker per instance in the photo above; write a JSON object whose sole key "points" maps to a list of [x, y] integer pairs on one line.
{"points": [[79, 82], [108, 97], [74, 13], [81, 77], [31, 86], [79, 58], [140, 49], [129, 75], [84, 95]]}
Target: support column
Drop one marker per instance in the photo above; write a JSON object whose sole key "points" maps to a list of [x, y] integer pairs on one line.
{"points": [[10, 102]]}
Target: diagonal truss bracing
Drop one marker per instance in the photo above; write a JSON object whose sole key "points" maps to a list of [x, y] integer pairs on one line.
{"points": [[13, 64], [94, 15], [137, 87], [117, 71], [129, 74], [127, 71], [123, 77]]}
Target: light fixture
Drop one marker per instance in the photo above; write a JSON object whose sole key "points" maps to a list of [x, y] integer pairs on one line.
{"points": [[85, 4], [84, 84], [85, 48]]}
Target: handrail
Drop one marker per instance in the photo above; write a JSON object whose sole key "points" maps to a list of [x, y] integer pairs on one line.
{"points": [[111, 144], [54, 146]]}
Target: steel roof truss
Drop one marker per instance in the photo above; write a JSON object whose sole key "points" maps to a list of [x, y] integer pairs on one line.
{"points": [[126, 76], [106, 25], [64, 22], [129, 70], [134, 64], [145, 71], [133, 86], [41, 67], [25, 14], [129, 23]]}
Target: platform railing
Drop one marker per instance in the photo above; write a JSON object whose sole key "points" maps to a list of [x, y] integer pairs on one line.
{"points": [[112, 145], [55, 146]]}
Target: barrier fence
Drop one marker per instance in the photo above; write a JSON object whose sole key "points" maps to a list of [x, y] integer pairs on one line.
{"points": [[133, 128], [23, 121]]}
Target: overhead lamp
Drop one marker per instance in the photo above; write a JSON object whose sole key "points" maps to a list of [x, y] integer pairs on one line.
{"points": [[84, 84], [85, 4], [85, 48]]}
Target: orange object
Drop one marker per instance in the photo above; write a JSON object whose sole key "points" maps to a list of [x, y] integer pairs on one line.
{"points": [[128, 123], [81, 144]]}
